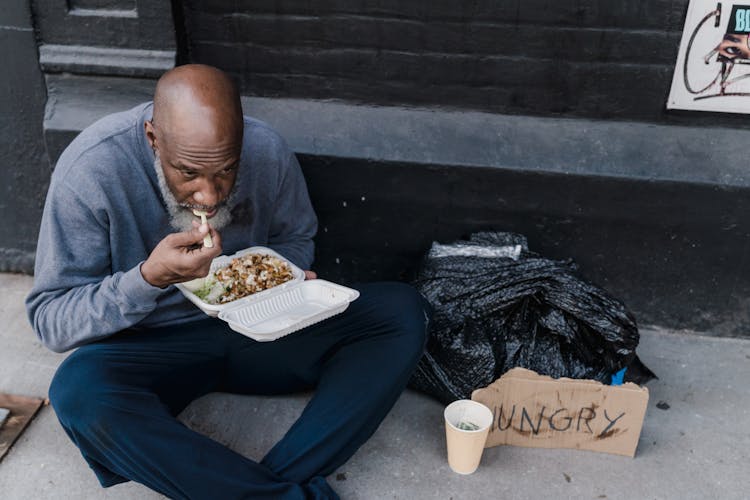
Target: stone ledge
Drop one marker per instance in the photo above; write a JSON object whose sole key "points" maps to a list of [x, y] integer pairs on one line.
{"points": [[447, 137], [104, 60]]}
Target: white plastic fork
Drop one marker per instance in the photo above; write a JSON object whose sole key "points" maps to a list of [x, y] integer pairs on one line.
{"points": [[207, 241]]}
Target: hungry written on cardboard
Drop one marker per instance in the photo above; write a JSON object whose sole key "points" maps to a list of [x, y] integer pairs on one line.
{"points": [[538, 411]]}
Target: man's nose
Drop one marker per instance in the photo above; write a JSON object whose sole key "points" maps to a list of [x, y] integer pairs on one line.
{"points": [[208, 194]]}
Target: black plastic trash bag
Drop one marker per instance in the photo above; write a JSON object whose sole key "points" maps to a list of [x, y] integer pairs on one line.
{"points": [[498, 306]]}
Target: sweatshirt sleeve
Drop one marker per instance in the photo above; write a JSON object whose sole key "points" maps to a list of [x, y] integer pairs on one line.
{"points": [[294, 223], [76, 299]]}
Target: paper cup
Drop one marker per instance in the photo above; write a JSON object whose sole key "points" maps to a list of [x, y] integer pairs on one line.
{"points": [[467, 424]]}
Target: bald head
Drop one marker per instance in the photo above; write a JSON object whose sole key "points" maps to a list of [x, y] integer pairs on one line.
{"points": [[197, 100], [196, 135]]}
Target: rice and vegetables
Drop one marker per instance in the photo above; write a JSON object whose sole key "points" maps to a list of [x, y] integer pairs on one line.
{"points": [[245, 275]]}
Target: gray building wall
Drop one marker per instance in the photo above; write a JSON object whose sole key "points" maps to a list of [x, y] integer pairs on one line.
{"points": [[24, 168]]}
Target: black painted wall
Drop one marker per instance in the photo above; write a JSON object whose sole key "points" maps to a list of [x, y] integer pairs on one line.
{"points": [[585, 58], [674, 253], [655, 233], [24, 168]]}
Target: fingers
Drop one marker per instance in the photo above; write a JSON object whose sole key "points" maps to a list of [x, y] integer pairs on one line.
{"points": [[189, 238], [199, 256], [194, 239], [181, 256], [311, 275], [216, 238]]}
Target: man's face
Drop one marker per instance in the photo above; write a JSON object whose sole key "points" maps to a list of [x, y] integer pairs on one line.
{"points": [[199, 168]]}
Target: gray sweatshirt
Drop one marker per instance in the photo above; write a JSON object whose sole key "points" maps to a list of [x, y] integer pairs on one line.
{"points": [[104, 214]]}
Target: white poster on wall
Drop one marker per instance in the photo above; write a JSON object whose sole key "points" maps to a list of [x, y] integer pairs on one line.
{"points": [[713, 65]]}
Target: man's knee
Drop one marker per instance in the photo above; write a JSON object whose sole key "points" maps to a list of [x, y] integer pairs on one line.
{"points": [[402, 309], [78, 392]]}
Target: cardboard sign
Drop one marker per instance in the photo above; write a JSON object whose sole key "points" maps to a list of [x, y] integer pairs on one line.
{"points": [[537, 411]]}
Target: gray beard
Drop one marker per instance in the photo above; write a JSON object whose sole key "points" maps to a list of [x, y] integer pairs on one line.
{"points": [[181, 215]]}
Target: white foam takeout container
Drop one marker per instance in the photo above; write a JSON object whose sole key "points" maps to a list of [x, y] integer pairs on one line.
{"points": [[213, 310], [277, 311]]}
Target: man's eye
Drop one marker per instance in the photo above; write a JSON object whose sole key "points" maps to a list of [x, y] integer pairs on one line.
{"points": [[188, 174]]}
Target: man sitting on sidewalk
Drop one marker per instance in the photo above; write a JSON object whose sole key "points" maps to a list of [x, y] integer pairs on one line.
{"points": [[107, 256]]}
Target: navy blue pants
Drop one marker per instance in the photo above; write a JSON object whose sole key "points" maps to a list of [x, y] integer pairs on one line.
{"points": [[117, 398]]}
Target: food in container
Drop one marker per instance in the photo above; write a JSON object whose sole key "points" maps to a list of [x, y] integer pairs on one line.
{"points": [[263, 296], [207, 292], [244, 275]]}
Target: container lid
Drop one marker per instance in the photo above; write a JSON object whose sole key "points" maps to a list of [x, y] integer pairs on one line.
{"points": [[283, 311]]}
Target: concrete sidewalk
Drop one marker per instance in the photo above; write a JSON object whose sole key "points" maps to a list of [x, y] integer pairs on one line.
{"points": [[698, 448]]}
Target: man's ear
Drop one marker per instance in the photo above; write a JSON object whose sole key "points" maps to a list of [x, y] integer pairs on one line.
{"points": [[148, 128]]}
